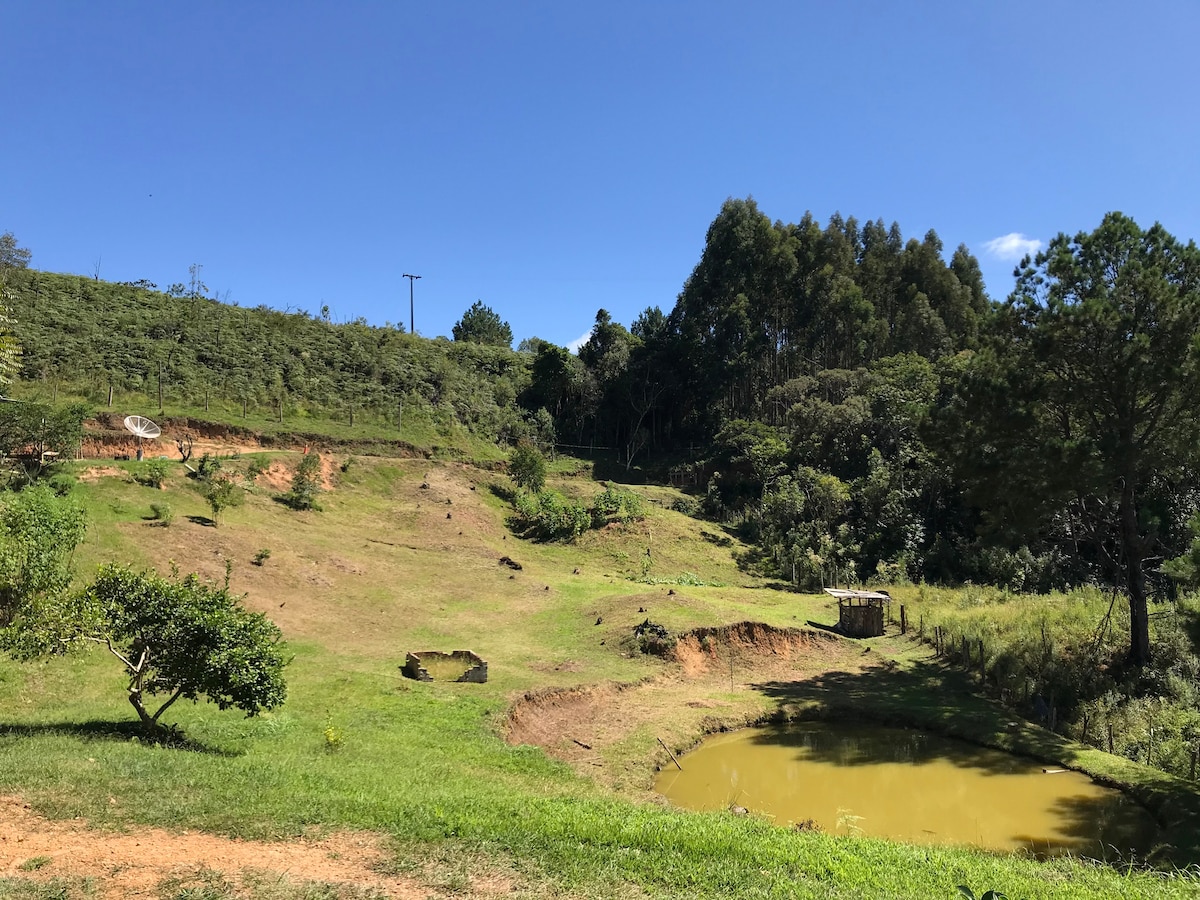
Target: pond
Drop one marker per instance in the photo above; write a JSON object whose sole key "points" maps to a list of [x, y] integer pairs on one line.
{"points": [[909, 786]]}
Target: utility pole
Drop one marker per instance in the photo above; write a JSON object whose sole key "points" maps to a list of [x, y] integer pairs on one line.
{"points": [[411, 278]]}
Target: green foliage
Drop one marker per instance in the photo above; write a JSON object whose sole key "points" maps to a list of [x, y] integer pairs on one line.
{"points": [[12, 256], [37, 429], [222, 493], [481, 325], [254, 363], [10, 350], [335, 738], [185, 639], [208, 467], [152, 473], [549, 516], [257, 466], [527, 467], [162, 513], [616, 505], [306, 484], [1103, 332], [261, 556], [39, 532]]}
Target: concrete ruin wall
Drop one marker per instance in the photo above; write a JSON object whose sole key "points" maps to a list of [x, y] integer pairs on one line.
{"points": [[476, 668]]}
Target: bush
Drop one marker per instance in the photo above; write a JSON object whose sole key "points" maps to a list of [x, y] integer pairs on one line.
{"points": [[162, 513], [549, 516], [208, 467], [257, 466], [616, 505], [261, 556], [151, 473], [305, 486], [685, 505]]}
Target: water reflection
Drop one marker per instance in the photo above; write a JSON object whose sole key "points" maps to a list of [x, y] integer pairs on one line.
{"points": [[907, 785]]}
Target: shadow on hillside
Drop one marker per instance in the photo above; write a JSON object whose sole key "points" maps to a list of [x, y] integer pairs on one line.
{"points": [[202, 520], [107, 730]]}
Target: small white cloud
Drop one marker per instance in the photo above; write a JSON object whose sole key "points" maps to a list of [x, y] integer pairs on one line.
{"points": [[1012, 247], [579, 341]]}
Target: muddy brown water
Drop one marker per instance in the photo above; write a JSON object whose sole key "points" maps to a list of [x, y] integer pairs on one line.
{"points": [[909, 786]]}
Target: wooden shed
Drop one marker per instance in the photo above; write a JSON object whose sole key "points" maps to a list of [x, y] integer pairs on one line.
{"points": [[860, 613]]}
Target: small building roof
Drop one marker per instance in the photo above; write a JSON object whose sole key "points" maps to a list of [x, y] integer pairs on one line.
{"points": [[857, 595]]}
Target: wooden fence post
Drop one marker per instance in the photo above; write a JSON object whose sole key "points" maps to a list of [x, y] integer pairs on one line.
{"points": [[903, 620]]}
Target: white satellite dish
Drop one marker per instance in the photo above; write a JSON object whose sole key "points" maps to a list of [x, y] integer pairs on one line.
{"points": [[143, 428]]}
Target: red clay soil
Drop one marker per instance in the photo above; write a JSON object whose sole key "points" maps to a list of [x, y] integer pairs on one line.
{"points": [[134, 863], [578, 724]]}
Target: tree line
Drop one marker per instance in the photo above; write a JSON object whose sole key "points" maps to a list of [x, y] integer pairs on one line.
{"points": [[852, 401]]}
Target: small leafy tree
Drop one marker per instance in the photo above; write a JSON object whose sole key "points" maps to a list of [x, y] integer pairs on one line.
{"points": [[527, 467], [183, 638], [305, 484], [222, 493]]}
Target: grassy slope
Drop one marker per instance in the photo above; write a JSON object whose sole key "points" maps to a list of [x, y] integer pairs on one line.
{"points": [[404, 556]]}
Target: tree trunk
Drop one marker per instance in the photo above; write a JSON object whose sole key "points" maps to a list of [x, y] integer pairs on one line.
{"points": [[135, 698], [1135, 579]]}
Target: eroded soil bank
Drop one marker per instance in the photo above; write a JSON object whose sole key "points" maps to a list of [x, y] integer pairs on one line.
{"points": [[712, 679]]}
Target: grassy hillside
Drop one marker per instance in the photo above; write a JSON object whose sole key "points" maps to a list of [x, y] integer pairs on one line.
{"points": [[405, 555]]}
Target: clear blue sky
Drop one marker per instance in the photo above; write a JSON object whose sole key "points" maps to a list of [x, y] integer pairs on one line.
{"points": [[558, 157]]}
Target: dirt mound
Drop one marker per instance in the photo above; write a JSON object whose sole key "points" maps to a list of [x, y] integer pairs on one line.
{"points": [[703, 649], [549, 717]]}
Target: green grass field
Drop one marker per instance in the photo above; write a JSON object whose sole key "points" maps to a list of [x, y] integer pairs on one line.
{"points": [[405, 556]]}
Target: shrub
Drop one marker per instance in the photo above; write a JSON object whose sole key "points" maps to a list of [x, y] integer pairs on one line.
{"points": [[550, 516], [685, 505], [162, 513], [257, 466], [151, 473], [208, 467], [62, 484], [305, 486], [614, 504], [261, 556]]}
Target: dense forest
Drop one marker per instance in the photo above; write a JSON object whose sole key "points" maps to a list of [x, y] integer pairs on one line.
{"points": [[855, 404]]}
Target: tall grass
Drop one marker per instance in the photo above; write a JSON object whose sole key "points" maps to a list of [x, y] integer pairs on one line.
{"points": [[1060, 660]]}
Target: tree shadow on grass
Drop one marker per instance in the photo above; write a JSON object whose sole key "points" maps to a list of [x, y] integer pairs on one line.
{"points": [[118, 731], [202, 520]]}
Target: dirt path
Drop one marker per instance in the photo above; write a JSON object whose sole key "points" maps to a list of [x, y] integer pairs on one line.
{"points": [[136, 863]]}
